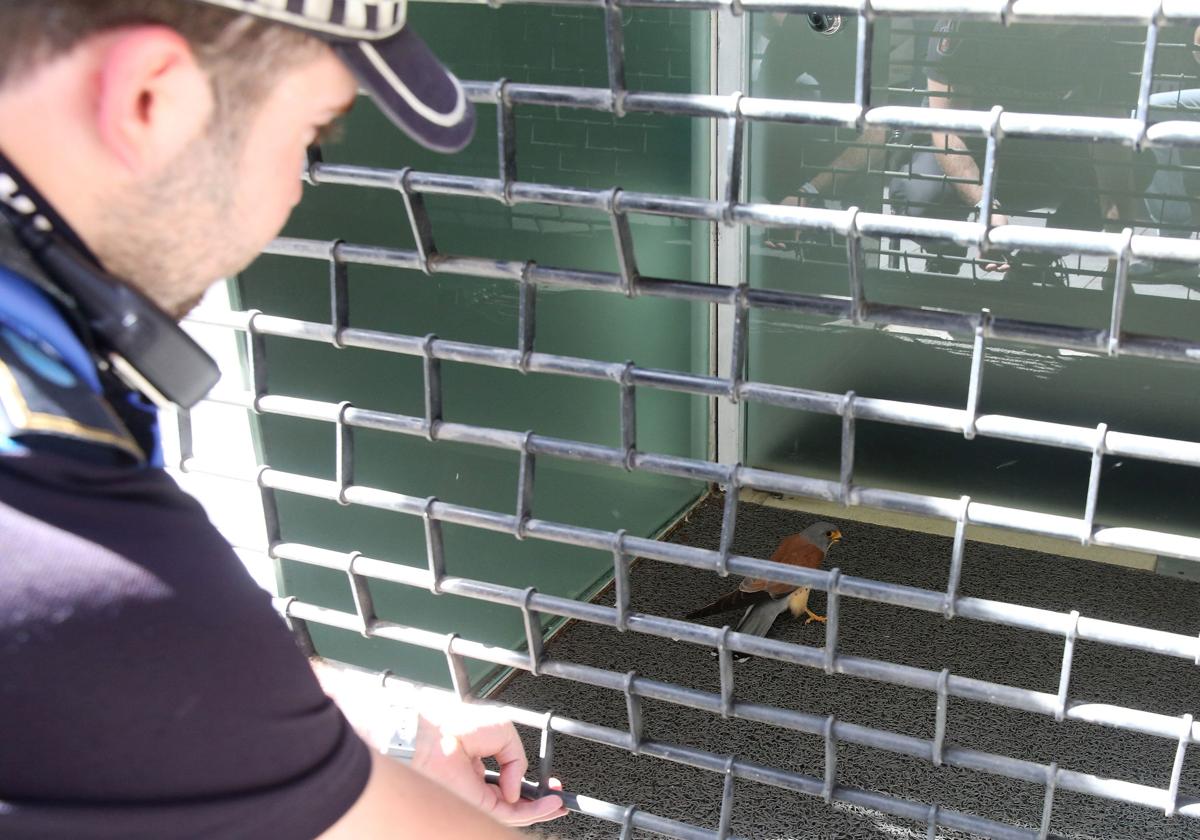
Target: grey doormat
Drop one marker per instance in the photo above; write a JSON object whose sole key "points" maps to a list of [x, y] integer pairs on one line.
{"points": [[1103, 674]]}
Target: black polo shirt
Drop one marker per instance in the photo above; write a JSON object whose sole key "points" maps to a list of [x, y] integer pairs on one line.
{"points": [[147, 687]]}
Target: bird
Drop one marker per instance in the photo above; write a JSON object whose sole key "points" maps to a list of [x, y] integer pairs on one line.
{"points": [[766, 600]]}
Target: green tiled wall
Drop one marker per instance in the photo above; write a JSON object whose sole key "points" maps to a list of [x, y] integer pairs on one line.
{"points": [[667, 51]]}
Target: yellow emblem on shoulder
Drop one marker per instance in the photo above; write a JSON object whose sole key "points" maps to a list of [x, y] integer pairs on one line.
{"points": [[41, 396]]}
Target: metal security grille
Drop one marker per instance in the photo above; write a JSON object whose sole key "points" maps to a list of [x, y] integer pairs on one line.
{"points": [[734, 303]]}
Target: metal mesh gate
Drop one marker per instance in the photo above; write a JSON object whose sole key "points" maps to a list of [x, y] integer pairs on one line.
{"points": [[732, 305]]}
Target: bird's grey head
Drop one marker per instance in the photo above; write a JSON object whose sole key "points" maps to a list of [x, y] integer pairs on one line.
{"points": [[823, 534]]}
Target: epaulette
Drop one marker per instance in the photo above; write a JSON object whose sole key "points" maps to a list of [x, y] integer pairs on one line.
{"points": [[45, 406]]}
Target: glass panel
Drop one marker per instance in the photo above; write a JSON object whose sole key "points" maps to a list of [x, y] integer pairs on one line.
{"points": [[666, 50], [1072, 184]]}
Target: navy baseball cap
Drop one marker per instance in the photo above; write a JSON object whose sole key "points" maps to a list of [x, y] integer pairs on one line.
{"points": [[391, 62]]}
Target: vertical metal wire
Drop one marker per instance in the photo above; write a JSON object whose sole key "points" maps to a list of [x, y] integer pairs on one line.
{"points": [[726, 818], [344, 453], [847, 460], [623, 239], [1064, 677], [956, 556], [975, 385], [614, 39], [1146, 84], [418, 219], [506, 140], [940, 718], [360, 590], [533, 634], [546, 755], [1093, 492], [725, 668], [1120, 291], [339, 292], [856, 262], [829, 788], [621, 563], [633, 709], [525, 480], [526, 316], [433, 388], [434, 547], [457, 669], [833, 611]]}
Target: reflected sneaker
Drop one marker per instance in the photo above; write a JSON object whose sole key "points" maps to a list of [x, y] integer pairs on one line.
{"points": [[1052, 273]]}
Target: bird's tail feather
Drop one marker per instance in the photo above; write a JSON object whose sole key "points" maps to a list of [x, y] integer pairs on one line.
{"points": [[759, 618], [737, 599]]}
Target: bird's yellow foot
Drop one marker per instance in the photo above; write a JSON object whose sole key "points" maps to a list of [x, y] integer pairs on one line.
{"points": [[812, 616]]}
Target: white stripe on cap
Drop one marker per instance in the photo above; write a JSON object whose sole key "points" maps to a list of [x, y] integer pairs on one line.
{"points": [[356, 14], [350, 25], [437, 118], [318, 9]]}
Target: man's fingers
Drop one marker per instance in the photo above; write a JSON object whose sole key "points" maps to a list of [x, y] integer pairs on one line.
{"points": [[996, 261], [501, 742], [529, 811]]}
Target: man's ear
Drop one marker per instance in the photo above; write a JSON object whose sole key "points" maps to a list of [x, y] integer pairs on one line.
{"points": [[152, 97]]}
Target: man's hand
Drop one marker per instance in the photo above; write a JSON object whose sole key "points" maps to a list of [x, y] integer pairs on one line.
{"points": [[450, 747], [451, 741], [780, 239]]}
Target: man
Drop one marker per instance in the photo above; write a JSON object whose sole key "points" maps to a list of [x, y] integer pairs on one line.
{"points": [[147, 689], [811, 57], [1030, 68]]}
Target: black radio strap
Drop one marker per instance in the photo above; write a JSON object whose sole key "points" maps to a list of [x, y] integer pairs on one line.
{"points": [[122, 327]]}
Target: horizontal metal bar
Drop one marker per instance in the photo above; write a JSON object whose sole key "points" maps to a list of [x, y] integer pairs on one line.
{"points": [[1045, 240], [1137, 638], [1012, 124], [1116, 717], [1093, 340], [990, 763], [1131, 12], [938, 418], [610, 812], [1001, 517]]}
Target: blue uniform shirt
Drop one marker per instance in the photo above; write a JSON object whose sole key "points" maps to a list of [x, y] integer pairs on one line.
{"points": [[147, 687], [51, 387]]}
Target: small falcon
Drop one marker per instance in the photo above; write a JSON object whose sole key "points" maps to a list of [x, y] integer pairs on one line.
{"points": [[766, 600]]}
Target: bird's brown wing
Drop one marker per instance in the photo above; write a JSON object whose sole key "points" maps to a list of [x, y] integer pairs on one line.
{"points": [[795, 550]]}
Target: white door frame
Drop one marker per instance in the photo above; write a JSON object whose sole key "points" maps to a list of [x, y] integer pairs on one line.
{"points": [[730, 73]]}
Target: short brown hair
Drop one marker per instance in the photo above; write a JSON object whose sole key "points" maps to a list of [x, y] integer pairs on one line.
{"points": [[243, 54]]}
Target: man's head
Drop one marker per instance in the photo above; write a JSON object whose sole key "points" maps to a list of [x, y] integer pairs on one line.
{"points": [[171, 135]]}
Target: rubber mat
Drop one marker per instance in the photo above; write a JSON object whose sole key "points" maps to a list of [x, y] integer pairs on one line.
{"points": [[1101, 673]]}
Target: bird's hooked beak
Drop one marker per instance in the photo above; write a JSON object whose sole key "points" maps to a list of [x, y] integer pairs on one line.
{"points": [[835, 537]]}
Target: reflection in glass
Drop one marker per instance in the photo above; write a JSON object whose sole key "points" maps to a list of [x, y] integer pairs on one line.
{"points": [[1060, 71]]}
